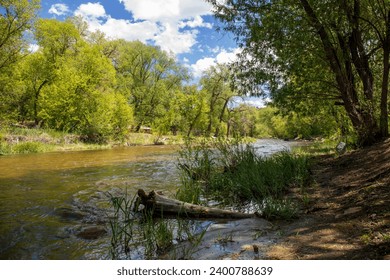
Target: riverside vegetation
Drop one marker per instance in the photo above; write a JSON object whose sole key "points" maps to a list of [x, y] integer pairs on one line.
{"points": [[228, 173]]}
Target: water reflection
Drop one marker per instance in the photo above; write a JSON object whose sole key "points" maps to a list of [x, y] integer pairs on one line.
{"points": [[33, 186]]}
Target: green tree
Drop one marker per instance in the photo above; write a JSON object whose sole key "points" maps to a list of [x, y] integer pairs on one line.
{"points": [[242, 121], [57, 38], [80, 94], [216, 85], [16, 17], [191, 106], [331, 49], [12, 97], [37, 73], [149, 77]]}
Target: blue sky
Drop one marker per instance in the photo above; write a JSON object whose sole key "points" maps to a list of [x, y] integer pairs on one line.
{"points": [[186, 28]]}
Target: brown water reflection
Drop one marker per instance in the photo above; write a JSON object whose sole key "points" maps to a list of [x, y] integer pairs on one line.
{"points": [[33, 186]]}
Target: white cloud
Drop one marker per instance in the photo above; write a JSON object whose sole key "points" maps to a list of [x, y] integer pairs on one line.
{"points": [[158, 21], [163, 10], [227, 57], [258, 102], [59, 9], [98, 19], [222, 57], [125, 29], [171, 40], [91, 10], [155, 10], [197, 21], [202, 65], [172, 16]]}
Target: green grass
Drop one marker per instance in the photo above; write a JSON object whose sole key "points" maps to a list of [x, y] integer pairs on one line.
{"points": [[232, 172], [283, 209]]}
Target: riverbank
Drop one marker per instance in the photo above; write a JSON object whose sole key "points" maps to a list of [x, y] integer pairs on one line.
{"points": [[345, 215], [18, 140], [22, 140], [348, 210]]}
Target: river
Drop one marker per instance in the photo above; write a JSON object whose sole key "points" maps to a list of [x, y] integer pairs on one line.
{"points": [[46, 198]]}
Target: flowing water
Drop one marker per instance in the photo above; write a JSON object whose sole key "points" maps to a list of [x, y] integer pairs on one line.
{"points": [[46, 199]]}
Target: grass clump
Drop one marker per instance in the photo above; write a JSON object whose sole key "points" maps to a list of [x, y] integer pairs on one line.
{"points": [[31, 147], [24, 148], [234, 173]]}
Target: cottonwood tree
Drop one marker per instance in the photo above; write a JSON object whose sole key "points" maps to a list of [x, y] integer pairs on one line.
{"points": [[337, 49], [216, 86], [72, 84], [149, 77], [16, 17]]}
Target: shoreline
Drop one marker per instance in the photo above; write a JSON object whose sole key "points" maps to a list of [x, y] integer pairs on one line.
{"points": [[26, 141], [18, 140]]}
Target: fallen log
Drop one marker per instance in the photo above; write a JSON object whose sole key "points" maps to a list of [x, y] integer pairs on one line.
{"points": [[162, 205]]}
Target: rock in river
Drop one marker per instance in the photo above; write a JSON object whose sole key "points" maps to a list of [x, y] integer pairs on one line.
{"points": [[69, 214], [91, 232]]}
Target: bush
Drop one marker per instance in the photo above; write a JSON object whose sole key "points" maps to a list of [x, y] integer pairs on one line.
{"points": [[29, 147]]}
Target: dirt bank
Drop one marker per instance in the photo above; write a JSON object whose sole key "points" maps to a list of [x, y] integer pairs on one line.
{"points": [[348, 216]]}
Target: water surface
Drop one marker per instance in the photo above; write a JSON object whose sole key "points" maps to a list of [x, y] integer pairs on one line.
{"points": [[36, 188]]}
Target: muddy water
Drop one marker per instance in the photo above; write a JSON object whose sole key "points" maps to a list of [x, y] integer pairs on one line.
{"points": [[46, 199]]}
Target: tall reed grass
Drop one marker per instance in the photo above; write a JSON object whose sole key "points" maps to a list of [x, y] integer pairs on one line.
{"points": [[234, 173]]}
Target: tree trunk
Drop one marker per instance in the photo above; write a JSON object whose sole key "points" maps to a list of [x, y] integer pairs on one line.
{"points": [[36, 96], [384, 118], [341, 56], [161, 205]]}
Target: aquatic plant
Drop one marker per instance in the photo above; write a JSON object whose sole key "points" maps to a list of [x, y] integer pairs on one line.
{"points": [[237, 174]]}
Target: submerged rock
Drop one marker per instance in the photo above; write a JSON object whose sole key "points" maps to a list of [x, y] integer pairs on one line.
{"points": [[69, 213], [91, 232]]}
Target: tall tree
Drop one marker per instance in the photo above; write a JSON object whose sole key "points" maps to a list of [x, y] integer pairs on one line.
{"points": [[149, 77], [329, 49], [72, 84], [216, 85], [16, 17]]}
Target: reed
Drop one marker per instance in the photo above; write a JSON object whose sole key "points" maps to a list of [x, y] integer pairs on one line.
{"points": [[233, 172]]}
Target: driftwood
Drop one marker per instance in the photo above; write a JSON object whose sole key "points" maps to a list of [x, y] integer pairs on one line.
{"points": [[162, 205]]}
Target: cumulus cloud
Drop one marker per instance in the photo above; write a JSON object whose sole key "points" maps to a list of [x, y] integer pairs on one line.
{"points": [[197, 21], [32, 48], [131, 31], [97, 18], [224, 56], [172, 16], [171, 40], [91, 10], [163, 10], [170, 24], [59, 9]]}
